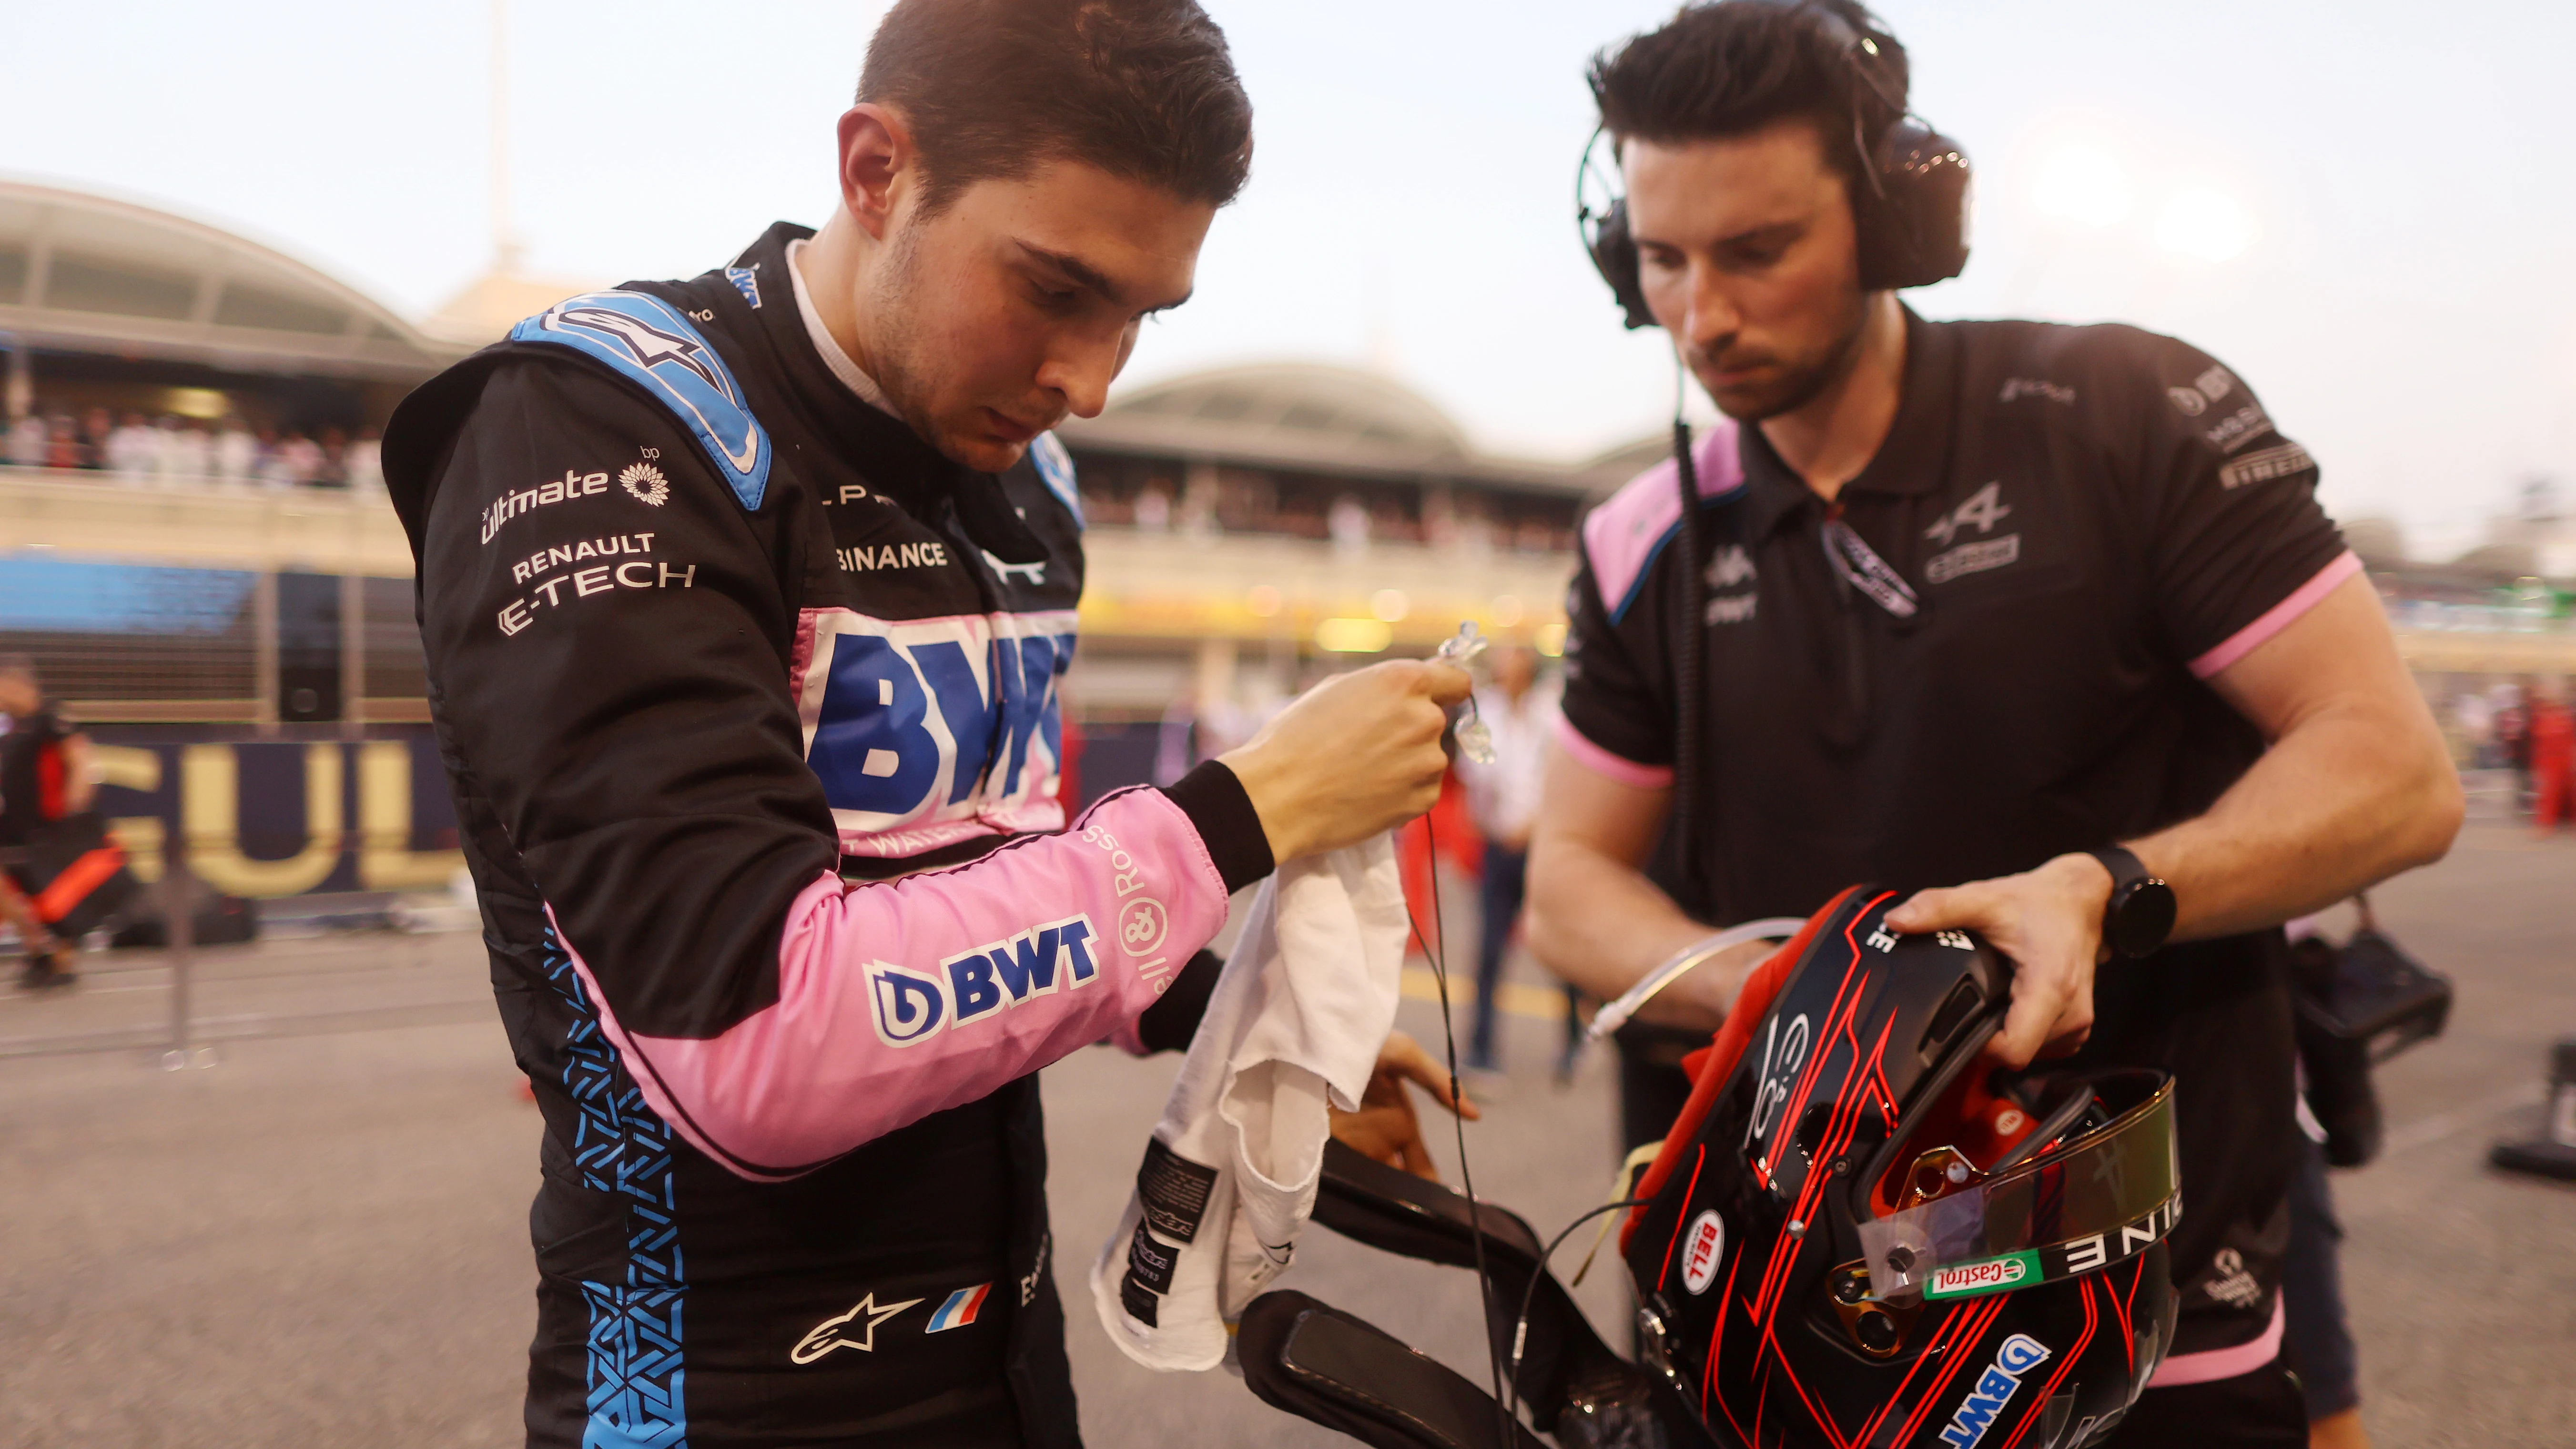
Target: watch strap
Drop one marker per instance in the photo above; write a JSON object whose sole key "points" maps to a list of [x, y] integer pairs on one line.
{"points": [[2137, 917], [2125, 868]]}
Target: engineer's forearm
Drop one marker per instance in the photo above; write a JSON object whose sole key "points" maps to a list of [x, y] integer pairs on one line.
{"points": [[1596, 921], [2342, 801]]}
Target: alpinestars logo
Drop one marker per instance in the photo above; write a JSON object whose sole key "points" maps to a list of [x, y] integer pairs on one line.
{"points": [[647, 344], [854, 1329], [2019, 1355], [646, 483]]}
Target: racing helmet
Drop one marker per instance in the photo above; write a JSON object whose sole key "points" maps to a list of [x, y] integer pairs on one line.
{"points": [[1860, 1232]]}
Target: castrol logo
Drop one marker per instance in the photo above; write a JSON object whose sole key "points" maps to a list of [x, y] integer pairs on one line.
{"points": [[1703, 1246], [1984, 1277]]}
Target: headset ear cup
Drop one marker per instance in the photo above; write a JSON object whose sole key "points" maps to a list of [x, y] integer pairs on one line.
{"points": [[1915, 231], [1614, 256]]}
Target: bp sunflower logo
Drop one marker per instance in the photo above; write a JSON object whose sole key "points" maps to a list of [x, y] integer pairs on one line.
{"points": [[647, 483]]}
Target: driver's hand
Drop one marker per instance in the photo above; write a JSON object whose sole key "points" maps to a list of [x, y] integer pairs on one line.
{"points": [[1384, 1129], [2049, 921], [1356, 755]]}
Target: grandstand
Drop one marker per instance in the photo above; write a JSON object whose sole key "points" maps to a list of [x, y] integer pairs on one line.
{"points": [[243, 643]]}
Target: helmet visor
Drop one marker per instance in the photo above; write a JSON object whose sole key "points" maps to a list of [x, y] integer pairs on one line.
{"points": [[2086, 1199]]}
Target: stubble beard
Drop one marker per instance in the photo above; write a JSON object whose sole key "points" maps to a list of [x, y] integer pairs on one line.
{"points": [[894, 355], [1801, 380]]}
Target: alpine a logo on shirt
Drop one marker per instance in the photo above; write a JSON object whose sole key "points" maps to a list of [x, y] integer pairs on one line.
{"points": [[1981, 510], [1993, 1390], [921, 728], [913, 1006]]}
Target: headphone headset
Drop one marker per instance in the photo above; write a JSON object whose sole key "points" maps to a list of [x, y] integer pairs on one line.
{"points": [[1911, 213], [1912, 218]]}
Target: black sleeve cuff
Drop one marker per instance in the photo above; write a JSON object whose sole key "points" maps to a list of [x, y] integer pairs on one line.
{"points": [[1173, 1019], [1214, 800]]}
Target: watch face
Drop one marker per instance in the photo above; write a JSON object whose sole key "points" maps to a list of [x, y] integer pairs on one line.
{"points": [[2143, 918]]}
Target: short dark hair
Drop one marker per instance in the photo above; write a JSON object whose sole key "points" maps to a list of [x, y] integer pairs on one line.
{"points": [[1142, 89], [1732, 67]]}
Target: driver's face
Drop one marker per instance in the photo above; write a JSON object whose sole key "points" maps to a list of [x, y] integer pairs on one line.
{"points": [[1749, 258], [1021, 300]]}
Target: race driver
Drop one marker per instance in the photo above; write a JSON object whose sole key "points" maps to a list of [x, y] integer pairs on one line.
{"points": [[1980, 599], [744, 601]]}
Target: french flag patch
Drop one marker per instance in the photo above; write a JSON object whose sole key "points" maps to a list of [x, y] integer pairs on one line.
{"points": [[960, 1309]]}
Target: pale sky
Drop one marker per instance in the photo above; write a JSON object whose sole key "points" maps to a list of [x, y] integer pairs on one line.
{"points": [[2392, 184]]}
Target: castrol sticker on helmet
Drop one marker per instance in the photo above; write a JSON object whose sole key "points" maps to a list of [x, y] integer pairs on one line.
{"points": [[1987, 1275], [1705, 1244]]}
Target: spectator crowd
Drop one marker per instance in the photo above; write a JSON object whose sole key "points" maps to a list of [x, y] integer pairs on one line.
{"points": [[176, 451], [2528, 728]]}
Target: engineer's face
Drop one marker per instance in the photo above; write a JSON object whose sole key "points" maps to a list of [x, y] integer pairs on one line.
{"points": [[1749, 259], [1017, 303]]}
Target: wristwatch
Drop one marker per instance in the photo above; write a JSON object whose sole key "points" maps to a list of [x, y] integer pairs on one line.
{"points": [[2140, 914]]}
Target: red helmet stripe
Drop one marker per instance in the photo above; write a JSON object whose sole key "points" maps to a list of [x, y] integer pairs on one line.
{"points": [[1980, 1320], [1664, 1274], [2066, 1363], [1846, 1001], [1840, 1128], [1951, 1323], [2128, 1329], [1932, 1353], [1726, 1048], [1716, 1343]]}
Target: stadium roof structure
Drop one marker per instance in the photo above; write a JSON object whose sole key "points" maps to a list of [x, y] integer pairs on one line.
{"points": [[86, 273], [1322, 418]]}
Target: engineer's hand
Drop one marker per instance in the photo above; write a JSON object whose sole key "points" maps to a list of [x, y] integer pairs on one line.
{"points": [[1357, 754], [1384, 1129], [2049, 921]]}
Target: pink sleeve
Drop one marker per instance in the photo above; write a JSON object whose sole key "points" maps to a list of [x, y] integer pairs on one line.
{"points": [[905, 997], [1607, 765], [2279, 617]]}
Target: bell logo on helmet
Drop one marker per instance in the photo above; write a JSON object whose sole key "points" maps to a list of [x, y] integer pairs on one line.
{"points": [[1707, 1246], [2019, 1355]]}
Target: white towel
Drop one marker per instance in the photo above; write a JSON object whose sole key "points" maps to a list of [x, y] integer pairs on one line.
{"points": [[1297, 1018]]}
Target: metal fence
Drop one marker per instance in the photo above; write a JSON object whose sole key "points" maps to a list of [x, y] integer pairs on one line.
{"points": [[138, 642]]}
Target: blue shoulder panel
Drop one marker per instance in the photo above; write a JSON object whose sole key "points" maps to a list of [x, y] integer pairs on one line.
{"points": [[1055, 469], [647, 340]]}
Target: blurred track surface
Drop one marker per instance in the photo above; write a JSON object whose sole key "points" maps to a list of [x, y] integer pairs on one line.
{"points": [[321, 1239]]}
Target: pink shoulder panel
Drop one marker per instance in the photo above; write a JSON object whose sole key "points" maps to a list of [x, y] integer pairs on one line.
{"points": [[1620, 537]]}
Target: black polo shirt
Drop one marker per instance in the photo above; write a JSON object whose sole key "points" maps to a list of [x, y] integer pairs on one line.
{"points": [[2083, 524]]}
